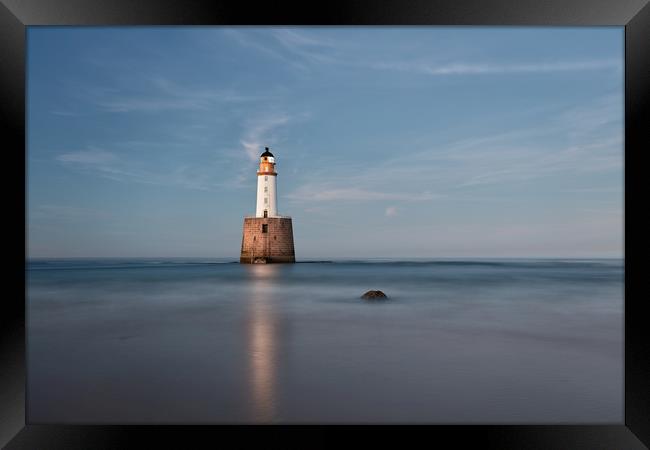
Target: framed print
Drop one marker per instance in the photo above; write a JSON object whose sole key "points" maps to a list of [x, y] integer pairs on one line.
{"points": [[415, 219]]}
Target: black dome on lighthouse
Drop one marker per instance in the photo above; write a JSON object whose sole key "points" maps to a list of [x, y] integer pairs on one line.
{"points": [[266, 152]]}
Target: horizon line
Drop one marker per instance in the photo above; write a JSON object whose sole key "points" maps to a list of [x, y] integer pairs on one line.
{"points": [[236, 258]]}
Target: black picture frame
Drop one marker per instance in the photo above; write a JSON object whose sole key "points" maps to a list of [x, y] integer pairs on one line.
{"points": [[634, 15]]}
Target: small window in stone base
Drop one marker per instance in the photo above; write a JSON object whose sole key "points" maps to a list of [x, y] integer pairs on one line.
{"points": [[275, 238], [265, 228]]}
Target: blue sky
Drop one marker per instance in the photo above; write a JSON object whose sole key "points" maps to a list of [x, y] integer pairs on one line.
{"points": [[390, 141]]}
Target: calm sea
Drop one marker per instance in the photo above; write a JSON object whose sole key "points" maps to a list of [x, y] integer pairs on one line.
{"points": [[213, 341]]}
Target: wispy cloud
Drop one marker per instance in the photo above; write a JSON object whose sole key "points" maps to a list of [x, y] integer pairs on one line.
{"points": [[123, 163], [457, 169], [246, 39], [302, 50], [297, 49], [319, 192], [293, 39], [117, 168], [537, 162], [58, 112], [598, 117], [464, 68], [64, 212], [92, 156], [594, 143], [165, 95], [617, 212], [391, 211], [259, 133], [598, 190], [308, 47]]}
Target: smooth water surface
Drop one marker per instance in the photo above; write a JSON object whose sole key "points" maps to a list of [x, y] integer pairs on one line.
{"points": [[211, 341]]}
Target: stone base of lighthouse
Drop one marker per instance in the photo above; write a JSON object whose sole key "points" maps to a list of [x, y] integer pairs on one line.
{"points": [[267, 240]]}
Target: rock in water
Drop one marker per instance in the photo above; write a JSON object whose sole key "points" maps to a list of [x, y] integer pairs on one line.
{"points": [[373, 295]]}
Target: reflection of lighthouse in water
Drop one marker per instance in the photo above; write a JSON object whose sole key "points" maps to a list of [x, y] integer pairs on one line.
{"points": [[262, 344]]}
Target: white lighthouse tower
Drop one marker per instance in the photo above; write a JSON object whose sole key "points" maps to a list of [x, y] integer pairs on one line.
{"points": [[267, 204]]}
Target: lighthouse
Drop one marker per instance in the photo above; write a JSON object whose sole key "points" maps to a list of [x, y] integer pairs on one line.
{"points": [[267, 236]]}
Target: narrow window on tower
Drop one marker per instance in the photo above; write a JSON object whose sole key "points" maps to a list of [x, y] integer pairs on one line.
{"points": [[266, 189], [266, 200], [265, 228], [266, 178]]}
